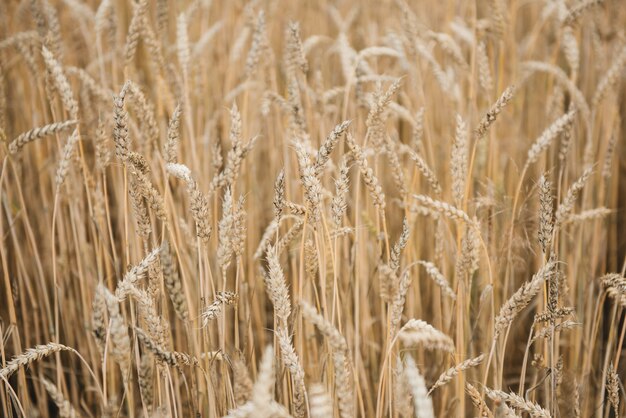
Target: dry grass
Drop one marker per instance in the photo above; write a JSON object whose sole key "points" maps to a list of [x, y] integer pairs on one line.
{"points": [[291, 208]]}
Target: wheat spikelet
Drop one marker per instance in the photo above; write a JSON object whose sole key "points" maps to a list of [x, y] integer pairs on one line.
{"points": [[477, 400], [292, 363], [323, 154], [172, 358], [452, 372], [546, 138], [613, 388], [31, 355], [492, 113], [277, 287], [172, 282], [66, 156], [521, 298], [311, 183], [546, 222], [459, 161], [215, 309], [199, 204], [16, 145], [518, 402], [567, 205], [370, 180]]}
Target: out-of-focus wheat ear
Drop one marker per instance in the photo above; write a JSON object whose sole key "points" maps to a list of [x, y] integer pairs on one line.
{"points": [[31, 355], [396, 168], [477, 400], [120, 341], [323, 154], [547, 137], [263, 389], [370, 180], [397, 304], [98, 317], [24, 138], [259, 45], [173, 283], [402, 398], [439, 279], [173, 134], [66, 157], [292, 363], [567, 205], [577, 10], [343, 375], [226, 229], [294, 54], [459, 161], [428, 174], [577, 97], [570, 50], [311, 183], [145, 111], [533, 409], [446, 209], [420, 333], [377, 115], [611, 77], [339, 205], [65, 408], [61, 83], [417, 134], [484, 71], [134, 32], [588, 215], [422, 404], [145, 375], [490, 117], [521, 298], [289, 236], [277, 287], [172, 358], [182, 44], [320, 403], [242, 383], [103, 155], [610, 150], [546, 221]]}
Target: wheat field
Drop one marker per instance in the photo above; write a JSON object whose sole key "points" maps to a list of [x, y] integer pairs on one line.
{"points": [[342, 208]]}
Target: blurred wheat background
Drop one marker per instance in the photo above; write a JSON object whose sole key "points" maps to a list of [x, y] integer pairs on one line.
{"points": [[344, 208]]}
